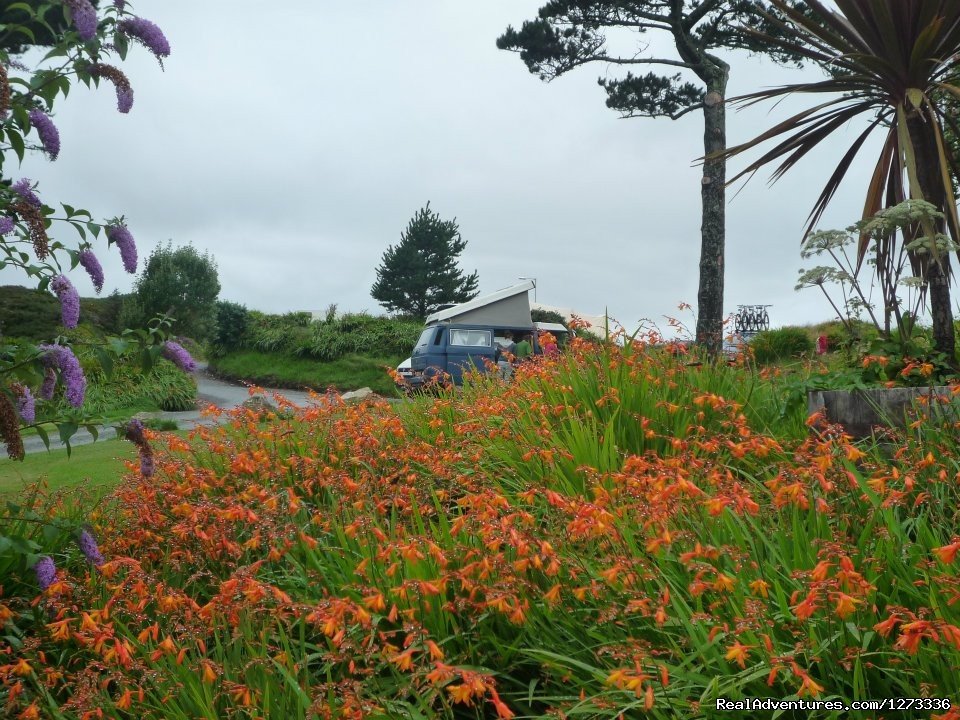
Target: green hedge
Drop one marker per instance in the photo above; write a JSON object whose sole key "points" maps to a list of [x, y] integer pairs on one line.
{"points": [[326, 340]]}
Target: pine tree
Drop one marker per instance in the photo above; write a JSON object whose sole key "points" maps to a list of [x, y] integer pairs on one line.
{"points": [[567, 34], [421, 273]]}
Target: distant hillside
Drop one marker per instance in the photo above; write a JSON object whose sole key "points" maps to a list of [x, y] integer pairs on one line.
{"points": [[33, 315]]}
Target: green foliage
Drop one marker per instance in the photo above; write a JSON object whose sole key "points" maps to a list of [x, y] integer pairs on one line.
{"points": [[162, 387], [329, 339], [232, 319], [180, 283], [420, 274], [273, 369], [538, 315], [359, 333], [28, 313], [781, 344]]}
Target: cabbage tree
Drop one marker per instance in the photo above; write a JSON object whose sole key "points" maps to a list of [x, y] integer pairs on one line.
{"points": [[893, 62]]}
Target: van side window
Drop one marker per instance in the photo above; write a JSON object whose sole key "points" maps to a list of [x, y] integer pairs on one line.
{"points": [[438, 337], [471, 338]]}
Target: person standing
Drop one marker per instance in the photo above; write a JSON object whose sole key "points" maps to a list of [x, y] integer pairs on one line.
{"points": [[524, 348], [507, 351]]}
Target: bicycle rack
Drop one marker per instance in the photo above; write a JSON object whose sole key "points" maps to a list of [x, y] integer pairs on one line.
{"points": [[751, 319]]}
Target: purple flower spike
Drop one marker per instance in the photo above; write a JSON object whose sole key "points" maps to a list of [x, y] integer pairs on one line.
{"points": [[49, 135], [63, 359], [120, 82], [24, 188], [90, 263], [119, 4], [49, 384], [134, 432], [84, 18], [6, 225], [26, 405], [45, 571], [146, 462], [120, 235], [69, 300], [175, 353], [88, 546], [147, 34]]}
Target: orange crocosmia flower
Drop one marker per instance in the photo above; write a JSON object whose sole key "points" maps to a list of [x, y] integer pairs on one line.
{"points": [[208, 674], [435, 652], [648, 698], [460, 694], [947, 553], [724, 582], [503, 712], [806, 608], [821, 570], [809, 686], [738, 653], [884, 628], [404, 660], [846, 604], [32, 712], [759, 587], [22, 668], [125, 701]]}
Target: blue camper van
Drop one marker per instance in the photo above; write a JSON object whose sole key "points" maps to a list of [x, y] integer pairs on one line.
{"points": [[466, 336]]}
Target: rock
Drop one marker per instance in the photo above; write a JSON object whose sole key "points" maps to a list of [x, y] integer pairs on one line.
{"points": [[859, 411], [357, 395], [259, 405]]}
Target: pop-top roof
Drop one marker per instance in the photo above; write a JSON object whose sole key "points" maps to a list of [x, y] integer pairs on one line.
{"points": [[509, 307]]}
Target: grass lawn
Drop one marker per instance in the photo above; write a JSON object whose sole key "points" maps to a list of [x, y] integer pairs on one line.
{"points": [[278, 370], [97, 466]]}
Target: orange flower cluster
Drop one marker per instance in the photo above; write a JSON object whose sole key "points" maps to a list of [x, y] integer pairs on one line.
{"points": [[342, 560]]}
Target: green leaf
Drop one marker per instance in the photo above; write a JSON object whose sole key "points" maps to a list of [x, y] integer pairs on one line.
{"points": [[106, 361], [915, 97], [43, 435], [16, 142]]}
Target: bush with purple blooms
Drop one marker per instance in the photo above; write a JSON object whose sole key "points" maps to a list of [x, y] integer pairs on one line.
{"points": [[82, 42]]}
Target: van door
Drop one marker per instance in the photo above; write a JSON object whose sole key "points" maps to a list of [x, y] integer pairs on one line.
{"points": [[468, 348]]}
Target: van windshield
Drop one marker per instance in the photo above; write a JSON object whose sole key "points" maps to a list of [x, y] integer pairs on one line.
{"points": [[426, 336]]}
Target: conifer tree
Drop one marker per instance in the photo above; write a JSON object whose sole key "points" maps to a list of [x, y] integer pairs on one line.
{"points": [[420, 273]]}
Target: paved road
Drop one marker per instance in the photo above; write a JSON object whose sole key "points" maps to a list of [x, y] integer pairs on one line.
{"points": [[210, 391]]}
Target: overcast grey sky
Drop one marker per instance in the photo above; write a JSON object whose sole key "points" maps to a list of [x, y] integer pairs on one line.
{"points": [[295, 140]]}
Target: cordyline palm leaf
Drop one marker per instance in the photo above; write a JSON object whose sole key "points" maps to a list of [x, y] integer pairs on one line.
{"points": [[889, 59]]}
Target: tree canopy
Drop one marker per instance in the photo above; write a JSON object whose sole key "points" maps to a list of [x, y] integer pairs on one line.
{"points": [[890, 62], [179, 282], [569, 33], [420, 273]]}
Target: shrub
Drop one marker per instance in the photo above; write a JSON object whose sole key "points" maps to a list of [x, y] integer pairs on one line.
{"points": [[781, 344], [164, 386], [232, 319]]}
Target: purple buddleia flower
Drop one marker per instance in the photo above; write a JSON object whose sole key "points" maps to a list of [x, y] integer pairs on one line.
{"points": [[84, 18], [90, 263], [88, 546], [146, 461], [49, 384], [120, 235], [134, 432], [45, 571], [120, 82], [26, 405], [147, 34], [24, 188], [119, 4], [175, 353], [62, 358], [6, 225], [49, 135], [69, 300]]}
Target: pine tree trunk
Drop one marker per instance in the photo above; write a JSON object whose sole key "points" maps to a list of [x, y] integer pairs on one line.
{"points": [[712, 228], [938, 273]]}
